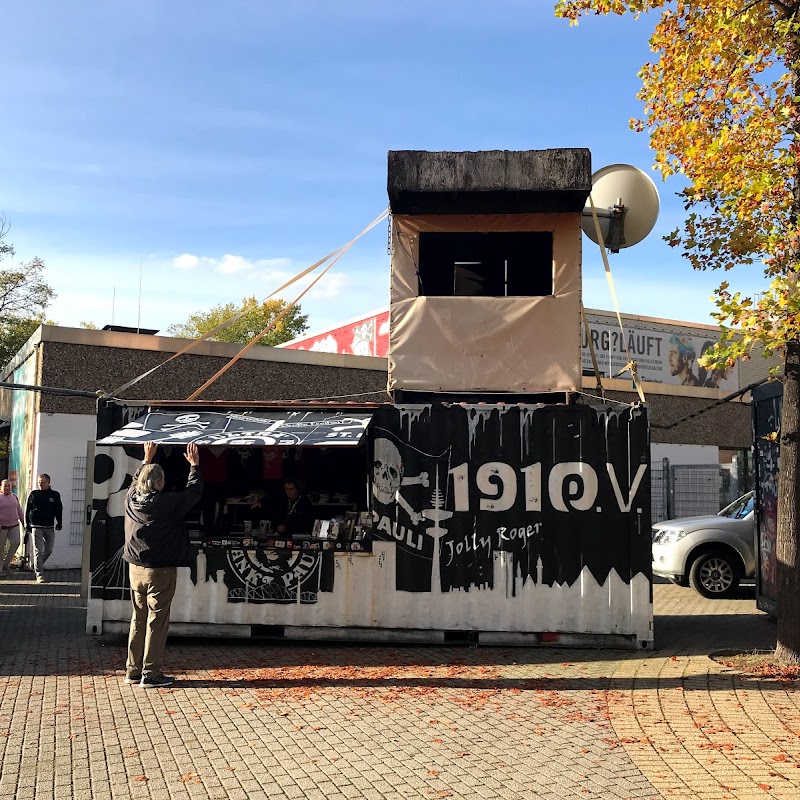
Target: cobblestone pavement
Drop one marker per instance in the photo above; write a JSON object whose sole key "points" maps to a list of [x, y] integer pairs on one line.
{"points": [[250, 719]]}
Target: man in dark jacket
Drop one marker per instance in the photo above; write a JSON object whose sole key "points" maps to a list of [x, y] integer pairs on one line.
{"points": [[42, 519], [156, 544], [298, 515]]}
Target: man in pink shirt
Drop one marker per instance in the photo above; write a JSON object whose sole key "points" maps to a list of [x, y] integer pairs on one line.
{"points": [[10, 518]]}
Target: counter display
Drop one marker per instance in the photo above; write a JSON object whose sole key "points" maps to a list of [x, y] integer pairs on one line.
{"points": [[334, 547], [502, 523]]}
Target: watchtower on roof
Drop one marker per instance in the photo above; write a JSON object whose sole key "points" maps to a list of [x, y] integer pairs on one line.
{"points": [[486, 270]]}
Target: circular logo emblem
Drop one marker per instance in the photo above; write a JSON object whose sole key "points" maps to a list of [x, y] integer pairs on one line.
{"points": [[274, 574]]}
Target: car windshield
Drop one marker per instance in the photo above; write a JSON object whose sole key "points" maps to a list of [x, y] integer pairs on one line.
{"points": [[739, 508]]}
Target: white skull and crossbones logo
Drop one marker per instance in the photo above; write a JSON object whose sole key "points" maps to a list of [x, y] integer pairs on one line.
{"points": [[388, 476]]}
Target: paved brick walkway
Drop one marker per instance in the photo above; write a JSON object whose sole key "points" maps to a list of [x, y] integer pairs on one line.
{"points": [[252, 720]]}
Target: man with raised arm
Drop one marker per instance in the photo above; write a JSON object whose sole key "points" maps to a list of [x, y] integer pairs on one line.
{"points": [[156, 544]]}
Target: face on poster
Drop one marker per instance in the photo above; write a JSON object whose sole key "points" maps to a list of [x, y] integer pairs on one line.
{"points": [[668, 355]]}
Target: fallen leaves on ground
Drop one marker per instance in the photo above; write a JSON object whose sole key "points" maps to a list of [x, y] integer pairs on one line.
{"points": [[760, 663], [388, 684]]}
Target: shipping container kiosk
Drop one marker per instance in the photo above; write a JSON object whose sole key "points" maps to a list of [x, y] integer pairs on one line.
{"points": [[485, 503]]}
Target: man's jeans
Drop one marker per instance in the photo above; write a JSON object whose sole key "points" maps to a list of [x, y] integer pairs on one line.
{"points": [[152, 591], [43, 540]]}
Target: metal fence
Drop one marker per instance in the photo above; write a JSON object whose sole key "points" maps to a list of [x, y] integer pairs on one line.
{"points": [[692, 490], [78, 500]]}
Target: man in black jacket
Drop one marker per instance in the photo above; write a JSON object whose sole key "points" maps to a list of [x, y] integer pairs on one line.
{"points": [[42, 519], [298, 516], [156, 544]]}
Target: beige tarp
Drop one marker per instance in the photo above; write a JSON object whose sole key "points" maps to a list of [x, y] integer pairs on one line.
{"points": [[491, 344]]}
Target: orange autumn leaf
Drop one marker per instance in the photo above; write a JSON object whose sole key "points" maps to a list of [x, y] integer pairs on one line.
{"points": [[612, 743], [140, 778], [765, 786]]}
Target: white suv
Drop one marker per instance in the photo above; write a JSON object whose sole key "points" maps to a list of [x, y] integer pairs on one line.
{"points": [[710, 554]]}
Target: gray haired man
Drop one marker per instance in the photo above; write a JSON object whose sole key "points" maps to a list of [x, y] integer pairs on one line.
{"points": [[156, 544]]}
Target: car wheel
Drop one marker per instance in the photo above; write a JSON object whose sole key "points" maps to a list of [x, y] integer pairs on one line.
{"points": [[715, 574]]}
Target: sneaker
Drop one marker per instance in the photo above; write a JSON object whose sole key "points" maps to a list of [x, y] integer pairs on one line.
{"points": [[156, 681], [41, 579], [132, 680]]}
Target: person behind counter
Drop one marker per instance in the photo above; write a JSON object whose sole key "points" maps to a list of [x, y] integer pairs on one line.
{"points": [[156, 544], [298, 516]]}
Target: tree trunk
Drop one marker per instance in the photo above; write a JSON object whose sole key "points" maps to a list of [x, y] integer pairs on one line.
{"points": [[788, 589], [788, 567]]}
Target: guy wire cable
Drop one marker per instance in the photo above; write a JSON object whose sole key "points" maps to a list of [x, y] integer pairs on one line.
{"points": [[285, 311], [339, 251], [631, 365]]}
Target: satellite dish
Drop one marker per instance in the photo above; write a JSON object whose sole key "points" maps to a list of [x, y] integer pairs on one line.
{"points": [[626, 202]]}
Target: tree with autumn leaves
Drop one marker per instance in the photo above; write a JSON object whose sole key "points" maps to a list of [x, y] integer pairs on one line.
{"points": [[289, 322], [722, 109]]}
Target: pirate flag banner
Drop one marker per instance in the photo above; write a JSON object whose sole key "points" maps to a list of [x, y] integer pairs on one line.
{"points": [[559, 488]]}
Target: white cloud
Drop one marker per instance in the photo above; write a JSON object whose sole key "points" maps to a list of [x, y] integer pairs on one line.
{"points": [[185, 261], [231, 264]]}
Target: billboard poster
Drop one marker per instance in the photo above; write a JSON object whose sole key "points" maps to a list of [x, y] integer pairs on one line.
{"points": [[366, 336], [664, 353]]}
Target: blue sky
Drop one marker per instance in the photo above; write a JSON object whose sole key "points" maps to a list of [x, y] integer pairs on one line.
{"points": [[227, 146]]}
